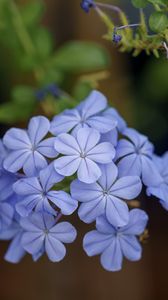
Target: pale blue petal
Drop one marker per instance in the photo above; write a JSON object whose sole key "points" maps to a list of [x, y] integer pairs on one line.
{"points": [[15, 251], [64, 232], [111, 137], [113, 113], [103, 226], [6, 215], [137, 222], [117, 211], [94, 103], [89, 211], [32, 242], [34, 164], [67, 165], [66, 144], [131, 248], [38, 128], [88, 171], [130, 165], [102, 124], [26, 206], [47, 149], [109, 175], [124, 148], [65, 122], [15, 160], [102, 153], [150, 174], [54, 248], [112, 257], [16, 139], [85, 192], [63, 201], [95, 243], [49, 177], [127, 187], [87, 138], [27, 186]]}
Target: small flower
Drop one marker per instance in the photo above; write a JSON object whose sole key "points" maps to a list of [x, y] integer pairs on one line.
{"points": [[106, 196], [117, 38], [37, 195], [28, 151], [42, 234], [115, 243], [82, 154], [135, 157], [87, 4], [161, 191], [87, 114], [49, 89]]}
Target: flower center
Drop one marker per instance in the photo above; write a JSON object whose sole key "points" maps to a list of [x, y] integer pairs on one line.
{"points": [[106, 192], [82, 154], [46, 231]]}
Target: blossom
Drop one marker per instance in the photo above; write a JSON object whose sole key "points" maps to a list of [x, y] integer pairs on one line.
{"points": [[43, 234], [106, 196], [82, 154], [87, 4], [161, 191], [135, 157], [87, 114], [114, 243], [37, 194], [27, 150]]}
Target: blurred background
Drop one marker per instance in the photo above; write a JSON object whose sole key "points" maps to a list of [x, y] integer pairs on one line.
{"points": [[138, 88]]}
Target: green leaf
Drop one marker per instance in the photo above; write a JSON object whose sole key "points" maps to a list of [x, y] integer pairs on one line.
{"points": [[79, 57], [159, 2], [32, 12], [158, 21], [139, 3], [43, 42], [23, 94]]}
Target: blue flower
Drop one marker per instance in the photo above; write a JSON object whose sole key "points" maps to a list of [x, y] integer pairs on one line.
{"points": [[87, 4], [37, 195], [87, 114], [82, 154], [135, 157], [51, 88], [161, 191], [27, 148], [115, 243], [106, 196], [7, 180], [42, 234]]}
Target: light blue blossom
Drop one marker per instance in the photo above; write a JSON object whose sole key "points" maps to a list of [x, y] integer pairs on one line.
{"points": [[82, 154], [43, 234], [135, 154], [106, 196], [6, 215], [27, 150], [87, 114], [115, 243], [37, 194], [161, 191]]}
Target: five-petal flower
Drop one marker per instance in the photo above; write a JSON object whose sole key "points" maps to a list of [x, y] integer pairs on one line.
{"points": [[135, 157], [87, 114], [82, 154], [27, 150], [37, 194], [106, 196], [43, 234], [115, 243]]}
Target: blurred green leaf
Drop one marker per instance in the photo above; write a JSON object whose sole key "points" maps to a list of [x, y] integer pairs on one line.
{"points": [[158, 21], [32, 12], [139, 3], [79, 57]]}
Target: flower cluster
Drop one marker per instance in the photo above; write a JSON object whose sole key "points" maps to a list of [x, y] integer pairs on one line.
{"points": [[85, 157]]}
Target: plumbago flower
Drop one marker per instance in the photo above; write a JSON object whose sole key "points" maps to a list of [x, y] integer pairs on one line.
{"points": [[87, 114], [161, 191], [42, 234], [135, 154], [82, 154], [114, 243], [35, 170], [27, 150], [106, 196], [37, 194]]}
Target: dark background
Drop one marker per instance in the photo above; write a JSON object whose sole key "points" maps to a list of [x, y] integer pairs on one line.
{"points": [[131, 88]]}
